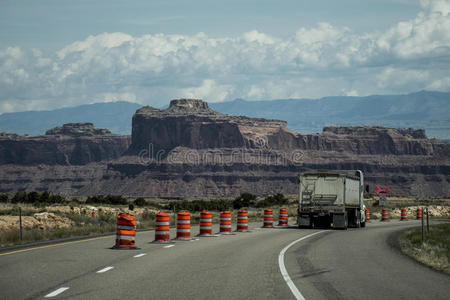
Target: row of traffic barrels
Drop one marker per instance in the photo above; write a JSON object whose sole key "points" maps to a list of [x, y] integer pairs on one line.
{"points": [[126, 225], [403, 214]]}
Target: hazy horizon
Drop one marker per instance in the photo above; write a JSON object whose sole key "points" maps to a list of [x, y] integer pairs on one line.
{"points": [[57, 54], [231, 100]]}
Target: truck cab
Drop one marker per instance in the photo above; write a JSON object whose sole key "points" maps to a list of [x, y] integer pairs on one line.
{"points": [[332, 199]]}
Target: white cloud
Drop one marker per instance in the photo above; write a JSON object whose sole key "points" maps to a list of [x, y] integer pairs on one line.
{"points": [[113, 97], [261, 38], [352, 93], [442, 84], [436, 6], [209, 90], [105, 41], [152, 69], [402, 78]]}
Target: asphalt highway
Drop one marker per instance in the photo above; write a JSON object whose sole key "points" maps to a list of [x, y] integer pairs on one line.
{"points": [[261, 264]]}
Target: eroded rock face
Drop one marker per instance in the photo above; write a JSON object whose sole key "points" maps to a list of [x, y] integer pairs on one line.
{"points": [[71, 144], [191, 123], [77, 130], [205, 153]]}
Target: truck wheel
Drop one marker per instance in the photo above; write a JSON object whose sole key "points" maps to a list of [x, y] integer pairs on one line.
{"points": [[363, 224]]}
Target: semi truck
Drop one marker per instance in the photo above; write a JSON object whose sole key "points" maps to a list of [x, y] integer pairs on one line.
{"points": [[331, 199]]}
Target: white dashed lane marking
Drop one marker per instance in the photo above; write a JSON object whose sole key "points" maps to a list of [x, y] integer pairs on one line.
{"points": [[56, 292], [105, 269], [140, 255], [168, 246]]}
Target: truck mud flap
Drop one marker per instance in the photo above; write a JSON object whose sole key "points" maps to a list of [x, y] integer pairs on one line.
{"points": [[304, 221], [340, 221]]}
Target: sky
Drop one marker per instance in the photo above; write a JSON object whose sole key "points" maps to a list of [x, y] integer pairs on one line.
{"points": [[59, 53]]}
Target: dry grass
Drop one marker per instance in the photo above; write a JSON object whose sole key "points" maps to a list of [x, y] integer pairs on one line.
{"points": [[105, 222], [434, 252], [12, 237]]}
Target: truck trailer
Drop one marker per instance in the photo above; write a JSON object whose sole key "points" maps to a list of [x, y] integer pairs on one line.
{"points": [[332, 199]]}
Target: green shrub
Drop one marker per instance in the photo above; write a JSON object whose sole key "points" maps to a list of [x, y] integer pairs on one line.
{"points": [[4, 198], [19, 197], [148, 215], [116, 200], [140, 202], [95, 199], [199, 205], [45, 197], [272, 200], [244, 200], [33, 197], [36, 198], [53, 198], [109, 199]]}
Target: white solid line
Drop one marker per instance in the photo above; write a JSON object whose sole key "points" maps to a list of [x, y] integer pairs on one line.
{"points": [[140, 255], [105, 269], [284, 272], [168, 246], [57, 292]]}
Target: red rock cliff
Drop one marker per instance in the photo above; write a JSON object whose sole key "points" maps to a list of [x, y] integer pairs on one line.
{"points": [[191, 123], [70, 144]]}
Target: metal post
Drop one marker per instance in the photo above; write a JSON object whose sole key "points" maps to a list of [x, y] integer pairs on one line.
{"points": [[20, 222], [174, 216], [422, 228], [428, 223]]}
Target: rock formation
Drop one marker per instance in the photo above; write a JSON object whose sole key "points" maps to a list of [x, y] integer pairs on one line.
{"points": [[71, 144], [191, 123], [190, 150]]}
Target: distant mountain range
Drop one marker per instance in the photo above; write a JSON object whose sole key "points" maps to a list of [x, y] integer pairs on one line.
{"points": [[116, 116], [428, 110]]}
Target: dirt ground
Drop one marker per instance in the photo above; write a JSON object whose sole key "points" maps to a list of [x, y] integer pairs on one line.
{"points": [[44, 220], [56, 216]]}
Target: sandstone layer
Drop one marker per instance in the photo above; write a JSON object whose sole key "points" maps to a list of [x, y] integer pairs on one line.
{"points": [[189, 150], [191, 123], [70, 144]]}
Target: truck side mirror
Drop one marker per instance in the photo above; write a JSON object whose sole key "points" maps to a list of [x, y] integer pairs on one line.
{"points": [[367, 188]]}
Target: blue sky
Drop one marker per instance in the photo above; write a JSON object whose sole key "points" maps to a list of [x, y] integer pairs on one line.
{"points": [[54, 24], [63, 53]]}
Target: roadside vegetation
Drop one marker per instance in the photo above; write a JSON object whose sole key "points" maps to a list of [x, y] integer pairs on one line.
{"points": [[48, 216], [435, 250]]}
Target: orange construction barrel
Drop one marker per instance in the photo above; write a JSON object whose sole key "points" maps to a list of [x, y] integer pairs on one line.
{"points": [[268, 218], [367, 215], [384, 215], [183, 225], [283, 217], [126, 232], [242, 221], [162, 227], [403, 215], [419, 213], [205, 223], [225, 222]]}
